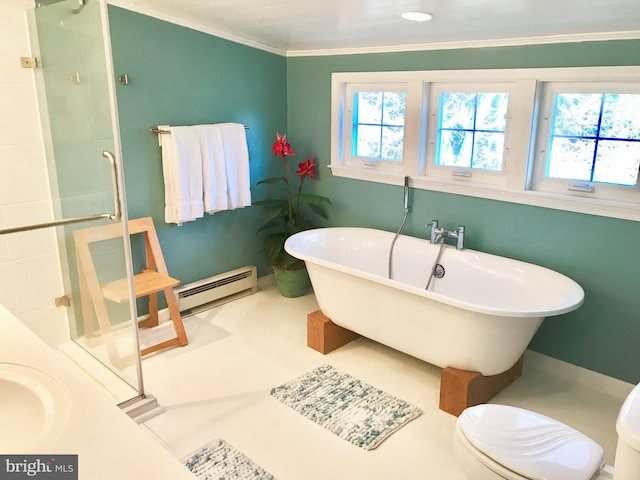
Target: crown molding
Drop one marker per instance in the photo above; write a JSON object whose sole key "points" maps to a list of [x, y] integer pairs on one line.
{"points": [[489, 43], [150, 12]]}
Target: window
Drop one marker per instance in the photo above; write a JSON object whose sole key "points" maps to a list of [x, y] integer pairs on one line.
{"points": [[589, 140], [469, 124], [375, 125], [378, 125], [565, 138], [471, 129]]}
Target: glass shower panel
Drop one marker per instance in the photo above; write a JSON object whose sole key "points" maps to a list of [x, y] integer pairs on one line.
{"points": [[75, 93]]}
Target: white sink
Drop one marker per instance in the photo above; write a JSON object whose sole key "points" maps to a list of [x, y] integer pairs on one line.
{"points": [[34, 409]]}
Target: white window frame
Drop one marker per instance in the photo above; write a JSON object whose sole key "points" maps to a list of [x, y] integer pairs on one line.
{"points": [[368, 162], [488, 177], [342, 162], [520, 146], [594, 190]]}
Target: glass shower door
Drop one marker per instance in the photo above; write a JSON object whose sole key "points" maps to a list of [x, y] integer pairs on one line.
{"points": [[75, 87]]}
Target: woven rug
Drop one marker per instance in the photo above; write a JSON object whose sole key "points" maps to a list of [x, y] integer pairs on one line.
{"points": [[353, 410], [218, 460]]}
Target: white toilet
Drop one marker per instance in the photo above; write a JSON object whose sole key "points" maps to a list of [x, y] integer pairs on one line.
{"points": [[497, 442]]}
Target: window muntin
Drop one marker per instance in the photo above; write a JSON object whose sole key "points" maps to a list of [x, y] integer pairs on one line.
{"points": [[471, 127], [374, 125], [588, 141], [468, 131], [378, 124], [523, 176], [595, 137]]}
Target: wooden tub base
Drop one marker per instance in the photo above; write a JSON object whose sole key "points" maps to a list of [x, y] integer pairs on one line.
{"points": [[325, 336], [459, 389]]}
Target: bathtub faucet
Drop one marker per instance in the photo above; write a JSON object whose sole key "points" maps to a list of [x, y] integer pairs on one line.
{"points": [[436, 233], [439, 234], [459, 235]]}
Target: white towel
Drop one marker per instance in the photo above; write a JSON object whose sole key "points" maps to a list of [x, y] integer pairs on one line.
{"points": [[214, 176], [236, 155], [182, 169]]}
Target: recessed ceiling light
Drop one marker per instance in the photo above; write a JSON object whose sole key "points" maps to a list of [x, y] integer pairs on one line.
{"points": [[417, 16]]}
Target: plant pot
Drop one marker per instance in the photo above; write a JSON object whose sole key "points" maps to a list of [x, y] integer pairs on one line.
{"points": [[292, 283]]}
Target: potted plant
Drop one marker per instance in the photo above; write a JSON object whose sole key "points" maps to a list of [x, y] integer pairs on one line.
{"points": [[288, 213]]}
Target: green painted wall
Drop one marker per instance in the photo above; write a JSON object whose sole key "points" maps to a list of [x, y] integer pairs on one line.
{"points": [[599, 253], [179, 76]]}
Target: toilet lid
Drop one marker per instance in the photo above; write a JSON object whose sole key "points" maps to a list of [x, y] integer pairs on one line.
{"points": [[530, 444]]}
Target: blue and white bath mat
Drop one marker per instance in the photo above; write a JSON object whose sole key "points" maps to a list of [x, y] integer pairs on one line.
{"points": [[218, 460], [353, 410]]}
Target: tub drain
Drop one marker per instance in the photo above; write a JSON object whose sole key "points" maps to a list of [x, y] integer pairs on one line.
{"points": [[438, 272]]}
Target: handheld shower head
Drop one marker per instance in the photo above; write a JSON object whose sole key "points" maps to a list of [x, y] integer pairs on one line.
{"points": [[406, 195]]}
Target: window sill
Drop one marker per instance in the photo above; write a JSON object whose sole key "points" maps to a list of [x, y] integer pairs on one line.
{"points": [[370, 174], [570, 203]]}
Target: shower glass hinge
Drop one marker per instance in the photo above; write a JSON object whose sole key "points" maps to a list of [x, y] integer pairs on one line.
{"points": [[29, 62], [63, 301]]}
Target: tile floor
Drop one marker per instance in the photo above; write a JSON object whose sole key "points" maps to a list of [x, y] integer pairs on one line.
{"points": [[218, 387]]}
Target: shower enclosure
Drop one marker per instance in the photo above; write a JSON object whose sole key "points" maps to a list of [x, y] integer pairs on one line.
{"points": [[76, 98]]}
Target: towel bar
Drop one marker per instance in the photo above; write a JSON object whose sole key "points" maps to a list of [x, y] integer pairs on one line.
{"points": [[156, 130]]}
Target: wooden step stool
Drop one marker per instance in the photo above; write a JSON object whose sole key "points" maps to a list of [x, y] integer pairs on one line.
{"points": [[153, 279]]}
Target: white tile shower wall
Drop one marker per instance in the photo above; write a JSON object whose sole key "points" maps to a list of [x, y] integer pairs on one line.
{"points": [[23, 179], [30, 276]]}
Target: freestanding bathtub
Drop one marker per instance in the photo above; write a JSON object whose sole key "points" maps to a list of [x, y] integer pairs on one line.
{"points": [[480, 316]]}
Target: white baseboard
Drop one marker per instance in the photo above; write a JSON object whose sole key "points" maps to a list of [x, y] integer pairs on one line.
{"points": [[580, 375], [266, 282]]}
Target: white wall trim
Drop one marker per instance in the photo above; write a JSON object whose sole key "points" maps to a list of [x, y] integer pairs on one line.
{"points": [[582, 376], [603, 208], [490, 43], [487, 43], [151, 12]]}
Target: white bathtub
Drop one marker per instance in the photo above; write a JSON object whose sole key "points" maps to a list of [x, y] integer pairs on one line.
{"points": [[479, 317]]}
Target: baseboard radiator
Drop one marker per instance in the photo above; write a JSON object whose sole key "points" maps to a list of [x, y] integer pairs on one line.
{"points": [[213, 291]]}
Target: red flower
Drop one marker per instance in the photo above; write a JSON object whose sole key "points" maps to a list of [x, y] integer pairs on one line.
{"points": [[288, 210], [281, 148], [306, 168]]}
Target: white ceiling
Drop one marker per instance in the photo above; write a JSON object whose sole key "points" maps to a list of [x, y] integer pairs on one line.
{"points": [[290, 26]]}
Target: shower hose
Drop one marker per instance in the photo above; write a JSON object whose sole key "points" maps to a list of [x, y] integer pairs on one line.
{"points": [[404, 219], [435, 264]]}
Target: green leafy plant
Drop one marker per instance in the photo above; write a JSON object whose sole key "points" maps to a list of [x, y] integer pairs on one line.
{"points": [[288, 212]]}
